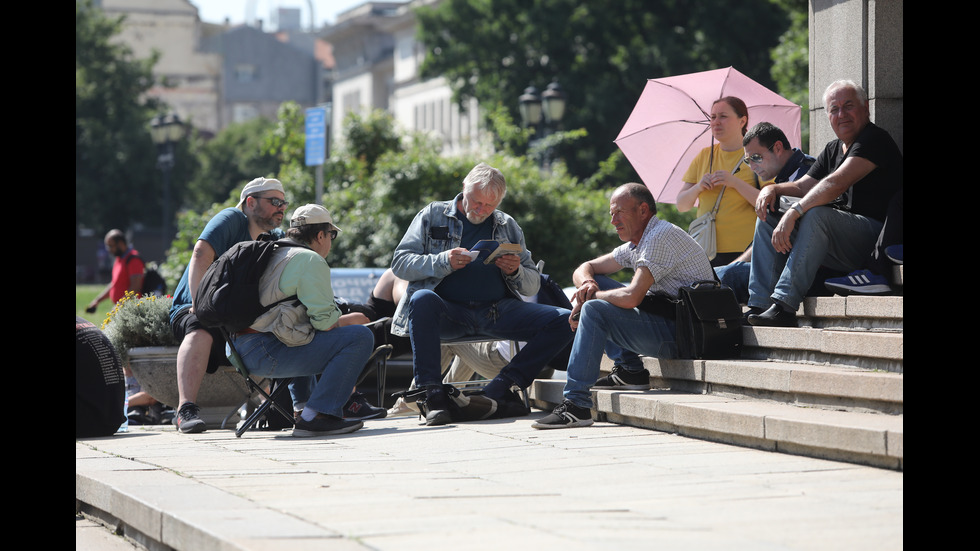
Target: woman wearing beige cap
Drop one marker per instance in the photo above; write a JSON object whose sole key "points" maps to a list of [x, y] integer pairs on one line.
{"points": [[307, 336]]}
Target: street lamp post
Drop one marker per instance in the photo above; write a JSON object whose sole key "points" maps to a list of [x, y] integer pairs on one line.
{"points": [[543, 112], [166, 130]]}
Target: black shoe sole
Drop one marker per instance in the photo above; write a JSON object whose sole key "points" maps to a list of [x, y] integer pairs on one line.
{"points": [[307, 433], [438, 417]]}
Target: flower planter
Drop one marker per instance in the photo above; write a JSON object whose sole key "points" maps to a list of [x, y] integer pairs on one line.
{"points": [[221, 395]]}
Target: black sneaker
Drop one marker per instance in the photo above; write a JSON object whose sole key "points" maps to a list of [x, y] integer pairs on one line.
{"points": [[141, 415], [565, 416], [436, 406], [359, 408], [621, 379], [324, 424], [188, 419], [510, 405]]}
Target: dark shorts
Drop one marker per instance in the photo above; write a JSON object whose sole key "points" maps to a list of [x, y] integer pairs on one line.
{"points": [[375, 309], [184, 323]]}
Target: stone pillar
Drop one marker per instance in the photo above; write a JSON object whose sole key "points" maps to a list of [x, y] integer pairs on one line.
{"points": [[860, 40]]}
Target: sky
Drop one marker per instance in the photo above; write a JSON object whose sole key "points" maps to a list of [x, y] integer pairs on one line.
{"points": [[237, 11]]}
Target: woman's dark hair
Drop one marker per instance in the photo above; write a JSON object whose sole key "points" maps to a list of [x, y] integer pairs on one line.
{"points": [[307, 233], [739, 107]]}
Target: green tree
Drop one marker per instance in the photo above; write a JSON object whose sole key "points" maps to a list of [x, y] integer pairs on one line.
{"points": [[602, 53], [235, 156], [791, 63], [116, 182]]}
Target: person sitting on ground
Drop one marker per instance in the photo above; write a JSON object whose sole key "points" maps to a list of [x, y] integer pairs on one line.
{"points": [[631, 319], [381, 304], [844, 200], [878, 275], [309, 338], [100, 386], [451, 296]]}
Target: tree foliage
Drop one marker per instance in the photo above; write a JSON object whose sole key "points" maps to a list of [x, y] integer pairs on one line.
{"points": [[602, 53], [791, 62], [115, 180], [236, 155], [378, 179]]}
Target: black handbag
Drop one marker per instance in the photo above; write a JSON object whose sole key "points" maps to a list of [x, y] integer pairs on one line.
{"points": [[709, 322]]}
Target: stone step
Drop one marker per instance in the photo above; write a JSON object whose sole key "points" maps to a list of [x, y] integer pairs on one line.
{"points": [[857, 331], [879, 349], [874, 439], [803, 384], [853, 312]]}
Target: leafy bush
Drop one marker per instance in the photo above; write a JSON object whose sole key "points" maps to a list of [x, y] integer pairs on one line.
{"points": [[139, 321]]}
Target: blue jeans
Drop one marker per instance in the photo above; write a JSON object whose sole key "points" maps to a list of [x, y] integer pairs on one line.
{"points": [[824, 236], [736, 276], [604, 327], [338, 356], [431, 319], [300, 389]]}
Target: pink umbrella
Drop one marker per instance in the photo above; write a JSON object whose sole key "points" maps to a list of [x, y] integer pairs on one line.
{"points": [[669, 124]]}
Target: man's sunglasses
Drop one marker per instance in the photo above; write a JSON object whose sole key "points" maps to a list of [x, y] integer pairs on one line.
{"points": [[276, 202], [755, 157]]}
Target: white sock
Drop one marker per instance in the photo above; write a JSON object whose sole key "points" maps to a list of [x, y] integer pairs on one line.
{"points": [[308, 414]]}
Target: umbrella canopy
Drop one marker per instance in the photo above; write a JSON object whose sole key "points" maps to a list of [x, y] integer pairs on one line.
{"points": [[670, 123]]}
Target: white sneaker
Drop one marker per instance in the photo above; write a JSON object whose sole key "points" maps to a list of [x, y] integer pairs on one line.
{"points": [[402, 407]]}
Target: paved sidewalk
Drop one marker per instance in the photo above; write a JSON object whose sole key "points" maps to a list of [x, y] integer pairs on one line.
{"points": [[398, 485]]}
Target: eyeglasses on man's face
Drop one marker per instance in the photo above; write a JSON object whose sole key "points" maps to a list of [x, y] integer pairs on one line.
{"points": [[275, 201], [757, 157], [332, 234]]}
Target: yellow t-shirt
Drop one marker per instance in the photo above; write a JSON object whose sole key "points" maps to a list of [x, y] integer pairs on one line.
{"points": [[735, 222]]}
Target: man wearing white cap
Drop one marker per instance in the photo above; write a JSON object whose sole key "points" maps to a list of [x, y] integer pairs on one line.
{"points": [[311, 337], [261, 209]]}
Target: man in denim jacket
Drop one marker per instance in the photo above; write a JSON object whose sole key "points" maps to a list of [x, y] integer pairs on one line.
{"points": [[451, 294]]}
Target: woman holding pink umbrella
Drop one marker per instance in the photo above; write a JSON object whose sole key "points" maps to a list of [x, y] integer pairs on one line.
{"points": [[719, 170]]}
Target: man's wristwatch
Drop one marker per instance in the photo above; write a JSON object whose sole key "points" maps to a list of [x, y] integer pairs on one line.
{"points": [[797, 207]]}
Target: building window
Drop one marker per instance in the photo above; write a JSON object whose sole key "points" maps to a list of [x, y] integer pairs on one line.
{"points": [[243, 112], [246, 72], [351, 102]]}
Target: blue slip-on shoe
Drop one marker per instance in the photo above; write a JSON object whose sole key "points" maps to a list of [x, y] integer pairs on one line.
{"points": [[861, 282], [895, 253]]}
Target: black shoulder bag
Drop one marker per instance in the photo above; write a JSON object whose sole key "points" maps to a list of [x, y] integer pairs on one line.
{"points": [[709, 321]]}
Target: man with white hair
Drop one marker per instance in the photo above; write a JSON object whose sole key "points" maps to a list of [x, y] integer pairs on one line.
{"points": [[844, 201], [260, 209], [452, 293]]}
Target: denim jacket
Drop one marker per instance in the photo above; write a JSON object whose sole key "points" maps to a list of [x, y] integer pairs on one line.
{"points": [[422, 257]]}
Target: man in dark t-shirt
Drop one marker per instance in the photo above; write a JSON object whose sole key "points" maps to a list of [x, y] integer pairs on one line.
{"points": [[844, 200]]}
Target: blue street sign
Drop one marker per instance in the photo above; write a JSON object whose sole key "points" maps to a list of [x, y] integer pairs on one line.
{"points": [[316, 136]]}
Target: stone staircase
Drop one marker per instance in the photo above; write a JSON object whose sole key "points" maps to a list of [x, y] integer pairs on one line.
{"points": [[831, 388]]}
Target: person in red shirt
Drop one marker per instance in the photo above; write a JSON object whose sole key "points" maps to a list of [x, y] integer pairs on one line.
{"points": [[127, 270]]}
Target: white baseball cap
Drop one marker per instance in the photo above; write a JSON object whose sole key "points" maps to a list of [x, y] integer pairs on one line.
{"points": [[257, 185], [312, 214]]}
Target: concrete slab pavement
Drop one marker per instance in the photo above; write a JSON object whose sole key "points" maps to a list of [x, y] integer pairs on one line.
{"points": [[397, 485]]}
